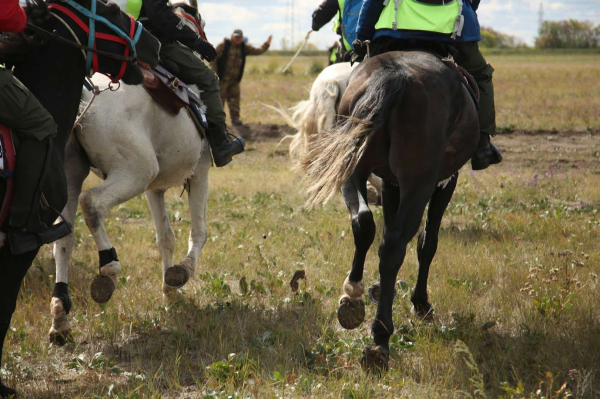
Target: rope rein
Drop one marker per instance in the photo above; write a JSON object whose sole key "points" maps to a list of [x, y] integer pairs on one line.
{"points": [[297, 52]]}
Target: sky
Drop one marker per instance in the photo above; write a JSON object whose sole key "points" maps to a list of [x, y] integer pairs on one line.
{"points": [[260, 18]]}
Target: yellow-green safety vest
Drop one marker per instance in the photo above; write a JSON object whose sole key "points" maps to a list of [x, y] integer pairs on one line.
{"points": [[132, 7], [338, 23], [333, 56], [417, 15]]}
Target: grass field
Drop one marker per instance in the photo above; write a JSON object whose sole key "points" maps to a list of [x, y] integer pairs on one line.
{"points": [[533, 91], [514, 283]]}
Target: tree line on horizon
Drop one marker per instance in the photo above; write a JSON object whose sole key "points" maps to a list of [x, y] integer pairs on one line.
{"points": [[567, 34]]}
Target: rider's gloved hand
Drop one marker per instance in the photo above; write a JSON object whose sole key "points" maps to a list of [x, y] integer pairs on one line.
{"points": [[360, 48], [205, 49]]}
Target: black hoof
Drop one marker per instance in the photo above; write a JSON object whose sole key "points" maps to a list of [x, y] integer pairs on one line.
{"points": [[375, 359], [351, 312], [374, 291], [424, 311], [60, 338], [176, 276], [6, 392], [102, 288]]}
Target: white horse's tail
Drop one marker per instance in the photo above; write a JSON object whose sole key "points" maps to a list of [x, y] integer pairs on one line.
{"points": [[311, 117]]}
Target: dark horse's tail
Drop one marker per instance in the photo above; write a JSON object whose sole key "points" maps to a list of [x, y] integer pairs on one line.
{"points": [[332, 159]]}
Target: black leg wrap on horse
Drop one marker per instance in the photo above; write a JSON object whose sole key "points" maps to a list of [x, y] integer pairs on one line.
{"points": [[107, 256], [61, 291]]}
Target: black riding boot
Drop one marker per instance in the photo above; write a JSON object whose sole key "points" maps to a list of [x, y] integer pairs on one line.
{"points": [[223, 144], [486, 154], [27, 229]]}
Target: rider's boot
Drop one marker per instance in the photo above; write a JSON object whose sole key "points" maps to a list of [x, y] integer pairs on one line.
{"points": [[486, 154], [27, 230], [223, 144]]}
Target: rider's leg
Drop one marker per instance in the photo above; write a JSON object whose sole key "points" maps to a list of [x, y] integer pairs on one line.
{"points": [[233, 100], [470, 58], [13, 270], [194, 71], [34, 127]]}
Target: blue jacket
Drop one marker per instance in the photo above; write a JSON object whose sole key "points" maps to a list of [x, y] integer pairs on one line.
{"points": [[371, 11]]}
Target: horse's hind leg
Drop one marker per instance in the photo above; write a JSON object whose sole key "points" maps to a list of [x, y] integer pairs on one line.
{"points": [[119, 186], [399, 230], [390, 197], [427, 244], [77, 168], [165, 238], [351, 312], [197, 198]]}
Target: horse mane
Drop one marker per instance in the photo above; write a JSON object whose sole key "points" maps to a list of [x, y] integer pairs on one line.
{"points": [[14, 47]]}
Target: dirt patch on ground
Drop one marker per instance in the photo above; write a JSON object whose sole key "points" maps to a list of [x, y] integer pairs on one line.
{"points": [[262, 132], [540, 149]]}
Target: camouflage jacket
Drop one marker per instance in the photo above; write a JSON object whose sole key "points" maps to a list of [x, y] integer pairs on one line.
{"points": [[231, 59]]}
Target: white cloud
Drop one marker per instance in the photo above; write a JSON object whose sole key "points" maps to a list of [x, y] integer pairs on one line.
{"points": [[259, 18]]}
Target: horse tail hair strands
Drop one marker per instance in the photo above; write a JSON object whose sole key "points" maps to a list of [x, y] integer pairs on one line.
{"points": [[332, 158]]}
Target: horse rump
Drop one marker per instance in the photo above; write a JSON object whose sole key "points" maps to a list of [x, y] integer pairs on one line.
{"points": [[331, 159]]}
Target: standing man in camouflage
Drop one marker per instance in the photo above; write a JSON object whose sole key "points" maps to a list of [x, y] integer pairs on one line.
{"points": [[229, 65]]}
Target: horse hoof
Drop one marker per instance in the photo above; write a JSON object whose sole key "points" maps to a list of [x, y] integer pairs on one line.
{"points": [[102, 288], [374, 291], [176, 276], [375, 359], [60, 338], [424, 312], [351, 312]]}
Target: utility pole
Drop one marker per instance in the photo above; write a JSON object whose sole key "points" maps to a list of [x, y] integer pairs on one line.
{"points": [[541, 15]]}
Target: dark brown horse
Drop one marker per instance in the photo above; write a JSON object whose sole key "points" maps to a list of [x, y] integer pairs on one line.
{"points": [[408, 118]]}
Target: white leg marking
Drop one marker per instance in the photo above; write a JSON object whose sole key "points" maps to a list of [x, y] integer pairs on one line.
{"points": [[352, 289]]}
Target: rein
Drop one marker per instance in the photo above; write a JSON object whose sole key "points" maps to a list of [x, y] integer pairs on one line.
{"points": [[55, 36]]}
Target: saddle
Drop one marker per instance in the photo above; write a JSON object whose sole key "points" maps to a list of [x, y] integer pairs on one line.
{"points": [[8, 160], [466, 79], [173, 94]]}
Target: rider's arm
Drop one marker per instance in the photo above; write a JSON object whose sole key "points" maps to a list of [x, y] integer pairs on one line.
{"points": [[251, 50], [475, 4], [324, 13], [164, 19], [12, 16], [369, 15]]}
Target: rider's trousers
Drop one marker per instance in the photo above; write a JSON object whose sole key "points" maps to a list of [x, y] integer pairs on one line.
{"points": [[34, 127], [469, 57], [192, 70]]}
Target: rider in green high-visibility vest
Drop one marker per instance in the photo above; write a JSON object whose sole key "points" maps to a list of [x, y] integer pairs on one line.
{"points": [[390, 25], [323, 15], [179, 45]]}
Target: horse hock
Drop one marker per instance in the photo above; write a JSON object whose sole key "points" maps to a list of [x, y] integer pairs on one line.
{"points": [[351, 312]]}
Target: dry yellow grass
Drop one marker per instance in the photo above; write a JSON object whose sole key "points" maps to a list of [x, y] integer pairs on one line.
{"points": [[514, 284]]}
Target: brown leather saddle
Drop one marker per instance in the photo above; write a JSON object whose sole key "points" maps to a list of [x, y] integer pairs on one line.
{"points": [[173, 94]]}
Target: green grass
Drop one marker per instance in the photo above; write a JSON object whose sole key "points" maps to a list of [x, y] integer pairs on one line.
{"points": [[514, 282], [537, 91], [517, 251]]}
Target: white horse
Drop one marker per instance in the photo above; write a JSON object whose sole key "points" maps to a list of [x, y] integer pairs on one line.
{"points": [[317, 115], [135, 146]]}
